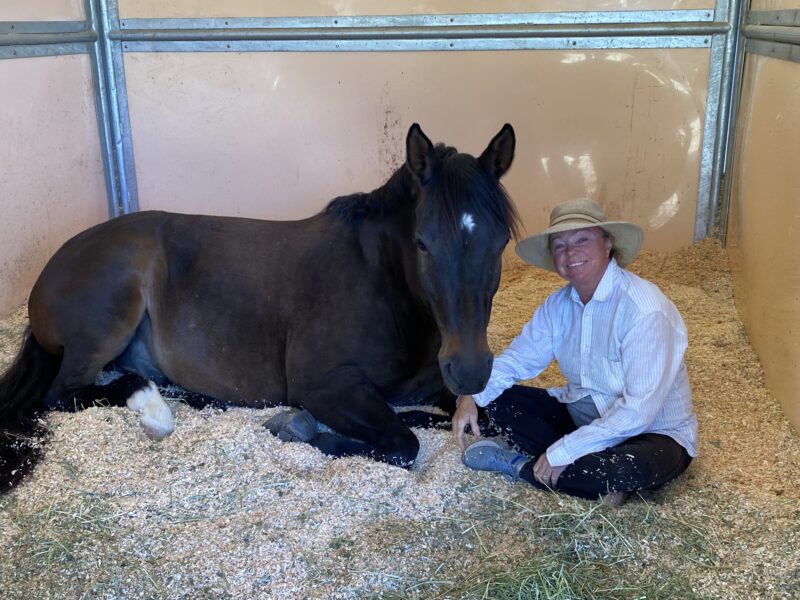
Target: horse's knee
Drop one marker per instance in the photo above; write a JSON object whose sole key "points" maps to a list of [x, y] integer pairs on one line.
{"points": [[400, 449]]}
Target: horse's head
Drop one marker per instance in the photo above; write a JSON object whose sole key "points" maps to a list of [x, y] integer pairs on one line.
{"points": [[464, 220]]}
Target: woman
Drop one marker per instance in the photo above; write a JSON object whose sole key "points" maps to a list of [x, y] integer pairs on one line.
{"points": [[624, 421]]}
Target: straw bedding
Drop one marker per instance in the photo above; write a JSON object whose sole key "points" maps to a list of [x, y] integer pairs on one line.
{"points": [[221, 509]]}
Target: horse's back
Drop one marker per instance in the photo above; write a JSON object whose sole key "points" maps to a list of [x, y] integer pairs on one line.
{"points": [[161, 253]]}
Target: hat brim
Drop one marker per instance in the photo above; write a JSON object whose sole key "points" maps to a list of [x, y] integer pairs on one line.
{"points": [[628, 239]]}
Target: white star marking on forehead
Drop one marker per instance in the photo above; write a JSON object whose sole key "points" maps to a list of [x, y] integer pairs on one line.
{"points": [[467, 222]]}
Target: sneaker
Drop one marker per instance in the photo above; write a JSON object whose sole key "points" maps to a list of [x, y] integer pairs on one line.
{"points": [[488, 455], [293, 425]]}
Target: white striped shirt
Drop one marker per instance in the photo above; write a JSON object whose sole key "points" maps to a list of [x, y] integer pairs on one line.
{"points": [[624, 348]]}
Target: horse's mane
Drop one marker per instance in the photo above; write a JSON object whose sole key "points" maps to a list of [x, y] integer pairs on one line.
{"points": [[377, 204], [460, 175]]}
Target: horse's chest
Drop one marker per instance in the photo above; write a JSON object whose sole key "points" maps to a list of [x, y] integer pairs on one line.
{"points": [[382, 343]]}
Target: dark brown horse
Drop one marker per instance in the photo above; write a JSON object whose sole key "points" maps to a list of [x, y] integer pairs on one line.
{"points": [[381, 299]]}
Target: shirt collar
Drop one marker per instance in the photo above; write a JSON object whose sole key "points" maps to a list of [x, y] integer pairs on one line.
{"points": [[606, 285]]}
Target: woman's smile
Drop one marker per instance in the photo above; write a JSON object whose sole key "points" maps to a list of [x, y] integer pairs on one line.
{"points": [[581, 257]]}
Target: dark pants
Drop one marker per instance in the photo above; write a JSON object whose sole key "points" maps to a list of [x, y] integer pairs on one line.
{"points": [[532, 420]]}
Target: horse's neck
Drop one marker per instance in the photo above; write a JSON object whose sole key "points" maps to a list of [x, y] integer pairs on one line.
{"points": [[390, 239]]}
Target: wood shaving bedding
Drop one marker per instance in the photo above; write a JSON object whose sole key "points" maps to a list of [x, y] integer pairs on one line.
{"points": [[222, 509]]}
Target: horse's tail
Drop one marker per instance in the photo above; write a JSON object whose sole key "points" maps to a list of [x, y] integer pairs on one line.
{"points": [[22, 390]]}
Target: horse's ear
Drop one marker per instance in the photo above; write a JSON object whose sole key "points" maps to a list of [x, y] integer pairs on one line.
{"points": [[497, 157], [419, 154]]}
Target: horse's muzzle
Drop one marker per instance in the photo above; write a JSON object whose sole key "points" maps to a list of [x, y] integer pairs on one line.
{"points": [[466, 375]]}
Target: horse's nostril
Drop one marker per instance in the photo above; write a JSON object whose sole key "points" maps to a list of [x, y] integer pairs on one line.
{"points": [[450, 373], [448, 369]]}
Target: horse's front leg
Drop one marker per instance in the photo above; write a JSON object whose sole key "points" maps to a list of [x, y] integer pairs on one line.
{"points": [[424, 388], [359, 419]]}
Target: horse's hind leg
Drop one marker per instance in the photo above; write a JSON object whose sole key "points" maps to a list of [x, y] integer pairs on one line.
{"points": [[74, 389], [87, 306]]}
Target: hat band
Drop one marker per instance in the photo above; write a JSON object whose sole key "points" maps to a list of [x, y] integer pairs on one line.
{"points": [[574, 216]]}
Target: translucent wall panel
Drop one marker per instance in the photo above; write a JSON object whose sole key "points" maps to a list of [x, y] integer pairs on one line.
{"points": [[51, 174], [775, 5], [42, 10], [276, 135], [764, 225]]}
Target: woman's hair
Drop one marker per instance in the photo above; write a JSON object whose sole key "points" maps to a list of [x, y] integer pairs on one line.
{"points": [[608, 236]]}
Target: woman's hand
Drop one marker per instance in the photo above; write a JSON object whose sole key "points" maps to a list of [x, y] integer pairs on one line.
{"points": [[466, 414], [544, 472]]}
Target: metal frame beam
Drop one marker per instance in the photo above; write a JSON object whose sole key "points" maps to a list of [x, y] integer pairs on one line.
{"points": [[23, 39], [447, 32], [773, 33]]}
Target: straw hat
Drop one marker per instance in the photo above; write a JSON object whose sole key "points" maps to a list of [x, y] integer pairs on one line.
{"points": [[581, 213]]}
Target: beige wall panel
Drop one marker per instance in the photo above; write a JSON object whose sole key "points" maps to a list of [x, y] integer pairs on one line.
{"points": [[51, 174], [774, 5], [764, 225], [42, 10], [276, 135], [143, 9]]}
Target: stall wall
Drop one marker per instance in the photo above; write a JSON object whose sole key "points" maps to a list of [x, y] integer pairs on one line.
{"points": [[277, 135], [42, 10], [757, 5], [764, 222], [51, 174]]}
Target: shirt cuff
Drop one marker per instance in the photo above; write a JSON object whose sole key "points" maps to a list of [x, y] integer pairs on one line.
{"points": [[558, 456], [484, 398]]}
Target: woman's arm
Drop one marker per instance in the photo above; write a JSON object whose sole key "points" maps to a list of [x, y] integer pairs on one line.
{"points": [[528, 354]]}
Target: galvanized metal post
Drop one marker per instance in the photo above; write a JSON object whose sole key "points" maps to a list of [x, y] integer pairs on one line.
{"points": [[726, 153], [112, 109]]}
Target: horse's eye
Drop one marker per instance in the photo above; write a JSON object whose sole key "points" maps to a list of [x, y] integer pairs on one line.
{"points": [[421, 245]]}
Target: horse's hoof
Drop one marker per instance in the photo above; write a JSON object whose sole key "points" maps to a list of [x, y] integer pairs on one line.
{"points": [[293, 425], [155, 414], [615, 499]]}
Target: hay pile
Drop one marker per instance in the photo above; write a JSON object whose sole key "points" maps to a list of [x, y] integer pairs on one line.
{"points": [[221, 509]]}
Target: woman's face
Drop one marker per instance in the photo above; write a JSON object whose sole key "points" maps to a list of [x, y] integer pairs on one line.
{"points": [[581, 257]]}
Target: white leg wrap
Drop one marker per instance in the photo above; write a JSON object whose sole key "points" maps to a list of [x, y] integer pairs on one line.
{"points": [[156, 417]]}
